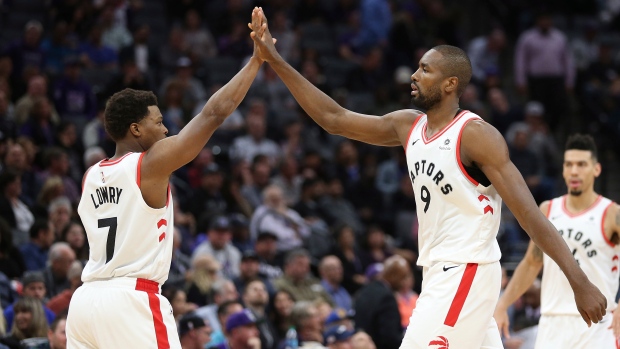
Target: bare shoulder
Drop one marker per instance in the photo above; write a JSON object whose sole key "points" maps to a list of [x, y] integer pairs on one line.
{"points": [[481, 143], [614, 213], [403, 120], [544, 207]]}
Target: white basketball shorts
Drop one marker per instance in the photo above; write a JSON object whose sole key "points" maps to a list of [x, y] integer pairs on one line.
{"points": [[570, 331]]}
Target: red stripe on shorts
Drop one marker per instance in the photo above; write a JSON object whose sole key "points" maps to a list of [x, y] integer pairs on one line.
{"points": [[461, 294], [160, 329]]}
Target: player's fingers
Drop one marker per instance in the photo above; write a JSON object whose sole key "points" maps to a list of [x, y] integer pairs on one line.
{"points": [[505, 330], [585, 317]]}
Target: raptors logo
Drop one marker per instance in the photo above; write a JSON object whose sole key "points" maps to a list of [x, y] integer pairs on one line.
{"points": [[440, 343]]}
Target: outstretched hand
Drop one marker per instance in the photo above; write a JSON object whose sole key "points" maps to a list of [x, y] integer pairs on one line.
{"points": [[264, 44]]}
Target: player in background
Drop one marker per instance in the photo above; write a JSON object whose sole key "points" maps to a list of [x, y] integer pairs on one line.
{"points": [[126, 208], [460, 169], [590, 224]]}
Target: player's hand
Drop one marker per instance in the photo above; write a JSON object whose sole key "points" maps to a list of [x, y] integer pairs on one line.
{"points": [[615, 323], [503, 322], [590, 302], [264, 44]]}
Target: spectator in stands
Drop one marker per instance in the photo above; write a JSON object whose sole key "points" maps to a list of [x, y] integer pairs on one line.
{"points": [[7, 125], [240, 227], [338, 337], [11, 261], [193, 90], [256, 299], [37, 88], [223, 290], [173, 50], [346, 250], [57, 164], [502, 113], [298, 280], [406, 299], [242, 332], [60, 303], [60, 260], [35, 252], [94, 133], [361, 340], [280, 27], [73, 97], [180, 264], [224, 311], [376, 309], [129, 76], [312, 189], [194, 333], [376, 249], [219, 246], [305, 317], [39, 126], [282, 304], [208, 199], [545, 79], [289, 180], [254, 186], [178, 300], [61, 45], [93, 155], [141, 51], [249, 271], [114, 35], [16, 160], [33, 287], [205, 271], [484, 53], [26, 53], [331, 272], [338, 209], [255, 142], [198, 38], [67, 140], [29, 322], [74, 235], [52, 189], [175, 112], [370, 75], [95, 54], [267, 251], [56, 334], [12, 208], [60, 214]]}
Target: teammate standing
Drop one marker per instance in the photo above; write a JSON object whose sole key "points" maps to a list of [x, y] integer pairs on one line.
{"points": [[460, 170], [590, 225], [127, 212]]}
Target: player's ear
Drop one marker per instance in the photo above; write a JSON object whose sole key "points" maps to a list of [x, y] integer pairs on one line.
{"points": [[134, 128], [451, 84], [597, 169]]}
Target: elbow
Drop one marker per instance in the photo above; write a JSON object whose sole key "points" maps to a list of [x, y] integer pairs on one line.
{"points": [[219, 112], [332, 126]]}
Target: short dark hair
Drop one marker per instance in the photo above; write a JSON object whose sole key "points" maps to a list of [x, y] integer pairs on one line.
{"points": [[455, 63], [124, 108], [223, 308], [38, 225], [579, 141]]}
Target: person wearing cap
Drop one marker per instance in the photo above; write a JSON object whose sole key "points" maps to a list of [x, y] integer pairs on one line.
{"points": [[248, 272], [376, 309], [241, 331], [208, 199], [33, 285], [338, 337], [266, 247], [256, 298], [219, 246], [339, 317], [240, 227], [194, 332]]}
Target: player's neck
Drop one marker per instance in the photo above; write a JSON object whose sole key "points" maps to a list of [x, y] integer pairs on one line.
{"points": [[440, 116], [123, 148], [579, 203]]}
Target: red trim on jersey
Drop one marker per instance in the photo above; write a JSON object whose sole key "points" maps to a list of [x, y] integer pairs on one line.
{"points": [[107, 162], [458, 156], [461, 294], [161, 333], [138, 170], [411, 130], [147, 286], [443, 130], [549, 209], [598, 199], [162, 236], [603, 226], [162, 222]]}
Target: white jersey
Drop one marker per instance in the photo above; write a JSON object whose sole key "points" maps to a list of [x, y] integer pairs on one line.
{"points": [[127, 237], [596, 255], [458, 216]]}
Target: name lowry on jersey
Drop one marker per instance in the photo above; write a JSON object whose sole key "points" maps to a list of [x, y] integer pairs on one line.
{"points": [[423, 167], [104, 195]]}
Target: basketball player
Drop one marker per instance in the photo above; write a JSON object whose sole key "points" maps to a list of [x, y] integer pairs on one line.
{"points": [[590, 225], [460, 170], [126, 208]]}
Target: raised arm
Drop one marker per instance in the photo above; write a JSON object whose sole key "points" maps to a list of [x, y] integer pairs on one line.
{"points": [[171, 153], [388, 130], [483, 146]]}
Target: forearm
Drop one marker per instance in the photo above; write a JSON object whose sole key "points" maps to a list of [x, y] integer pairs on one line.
{"points": [[521, 280], [228, 98], [546, 237], [320, 107]]}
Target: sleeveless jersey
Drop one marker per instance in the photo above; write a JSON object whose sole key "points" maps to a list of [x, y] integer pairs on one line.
{"points": [[127, 238], [596, 255], [458, 217]]}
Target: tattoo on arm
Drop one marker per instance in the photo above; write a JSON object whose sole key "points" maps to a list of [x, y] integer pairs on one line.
{"points": [[537, 252]]}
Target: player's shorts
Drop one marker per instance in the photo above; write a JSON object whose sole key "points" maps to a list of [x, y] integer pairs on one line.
{"points": [[120, 313], [455, 308], [570, 331]]}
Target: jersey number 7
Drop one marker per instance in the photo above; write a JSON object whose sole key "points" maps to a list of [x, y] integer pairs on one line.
{"points": [[109, 246]]}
